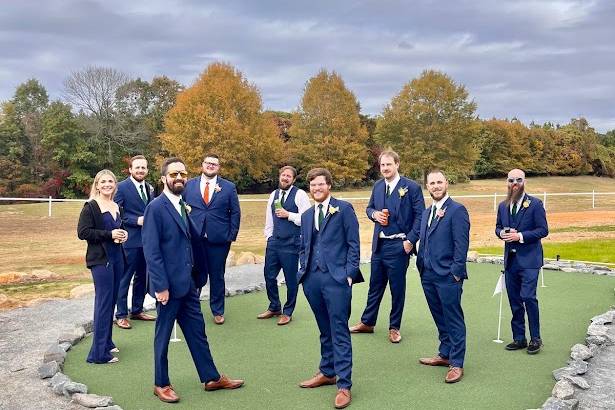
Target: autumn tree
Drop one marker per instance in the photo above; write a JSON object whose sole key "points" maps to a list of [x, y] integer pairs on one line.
{"points": [[222, 114], [327, 130], [431, 123]]}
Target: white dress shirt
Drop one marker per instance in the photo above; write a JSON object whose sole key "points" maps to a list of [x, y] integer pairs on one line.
{"points": [[174, 200], [325, 210], [438, 205], [138, 185], [212, 186], [392, 185], [301, 200]]}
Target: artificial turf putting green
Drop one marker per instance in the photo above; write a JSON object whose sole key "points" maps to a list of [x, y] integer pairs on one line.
{"points": [[273, 359]]}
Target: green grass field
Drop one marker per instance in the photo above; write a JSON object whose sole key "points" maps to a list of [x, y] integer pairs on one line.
{"points": [[274, 359]]}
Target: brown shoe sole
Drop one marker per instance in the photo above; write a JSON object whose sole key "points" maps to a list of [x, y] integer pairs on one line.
{"points": [[166, 400]]}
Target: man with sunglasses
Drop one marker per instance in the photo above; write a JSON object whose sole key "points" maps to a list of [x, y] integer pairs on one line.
{"points": [[521, 224], [177, 269], [216, 213]]}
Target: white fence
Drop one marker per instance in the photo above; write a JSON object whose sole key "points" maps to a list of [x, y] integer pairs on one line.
{"points": [[545, 195]]}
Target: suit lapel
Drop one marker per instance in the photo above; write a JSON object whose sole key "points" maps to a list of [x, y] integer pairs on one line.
{"points": [[435, 223], [328, 215], [214, 193], [176, 216], [521, 211]]}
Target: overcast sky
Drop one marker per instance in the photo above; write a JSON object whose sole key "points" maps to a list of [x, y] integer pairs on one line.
{"points": [[534, 60]]}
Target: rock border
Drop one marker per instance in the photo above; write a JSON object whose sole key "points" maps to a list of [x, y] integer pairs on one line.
{"points": [[564, 266]]}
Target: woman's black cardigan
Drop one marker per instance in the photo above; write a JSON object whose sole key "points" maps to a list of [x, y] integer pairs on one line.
{"points": [[91, 228]]}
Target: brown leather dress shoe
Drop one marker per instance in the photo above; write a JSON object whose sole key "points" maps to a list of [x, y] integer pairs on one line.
{"points": [[123, 324], [342, 398], [166, 394], [219, 319], [268, 314], [318, 380], [394, 336], [223, 383], [361, 328], [143, 316], [284, 320], [434, 361], [454, 374]]}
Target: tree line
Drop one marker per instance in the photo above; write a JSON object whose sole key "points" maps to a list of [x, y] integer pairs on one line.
{"points": [[104, 117]]}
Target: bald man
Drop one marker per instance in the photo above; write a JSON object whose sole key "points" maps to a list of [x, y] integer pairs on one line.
{"points": [[521, 224]]}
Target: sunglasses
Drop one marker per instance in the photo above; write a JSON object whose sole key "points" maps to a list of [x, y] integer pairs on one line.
{"points": [[513, 180], [177, 174]]}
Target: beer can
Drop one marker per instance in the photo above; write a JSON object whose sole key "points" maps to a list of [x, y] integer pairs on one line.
{"points": [[385, 211]]}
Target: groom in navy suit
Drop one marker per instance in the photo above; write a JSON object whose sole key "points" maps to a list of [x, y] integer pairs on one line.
{"points": [[176, 265], [521, 224], [329, 265], [217, 215], [441, 261], [394, 239], [133, 195]]}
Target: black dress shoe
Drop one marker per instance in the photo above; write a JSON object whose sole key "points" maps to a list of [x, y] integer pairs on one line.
{"points": [[534, 347], [517, 344]]}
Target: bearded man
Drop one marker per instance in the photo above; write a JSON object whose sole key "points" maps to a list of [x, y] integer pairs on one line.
{"points": [[521, 224]]}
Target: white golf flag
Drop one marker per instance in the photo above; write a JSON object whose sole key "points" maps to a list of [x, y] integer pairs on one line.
{"points": [[500, 286]]}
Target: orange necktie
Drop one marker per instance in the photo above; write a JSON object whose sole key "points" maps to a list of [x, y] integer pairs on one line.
{"points": [[206, 193]]}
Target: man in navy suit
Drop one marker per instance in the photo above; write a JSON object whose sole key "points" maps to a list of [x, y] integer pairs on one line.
{"points": [[441, 261], [329, 265], [282, 232], [216, 213], [176, 265], [521, 224], [394, 239], [133, 195]]}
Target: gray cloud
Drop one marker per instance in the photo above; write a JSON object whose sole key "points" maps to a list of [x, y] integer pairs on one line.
{"points": [[534, 60]]}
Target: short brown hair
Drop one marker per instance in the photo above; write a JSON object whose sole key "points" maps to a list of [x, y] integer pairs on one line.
{"points": [[389, 153], [320, 172], [290, 168], [436, 171], [167, 162], [136, 157]]}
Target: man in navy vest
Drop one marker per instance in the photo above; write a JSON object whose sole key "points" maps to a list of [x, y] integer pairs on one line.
{"points": [[133, 195], [441, 261], [521, 224], [282, 232], [216, 212], [393, 241], [329, 259]]}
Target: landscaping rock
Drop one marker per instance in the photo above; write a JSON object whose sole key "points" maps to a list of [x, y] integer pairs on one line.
{"points": [[597, 330], [551, 267], [578, 366], [557, 404], [596, 340], [72, 336], [569, 270], [58, 381], [580, 352], [472, 256], [71, 388], [230, 259], [603, 319], [577, 381], [47, 370], [66, 346], [54, 353], [561, 372], [92, 400], [563, 390], [87, 326], [115, 407]]}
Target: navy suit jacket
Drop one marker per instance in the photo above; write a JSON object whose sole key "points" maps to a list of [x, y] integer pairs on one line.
{"points": [[339, 234], [406, 210], [173, 251], [532, 223], [445, 243], [129, 199], [220, 219]]}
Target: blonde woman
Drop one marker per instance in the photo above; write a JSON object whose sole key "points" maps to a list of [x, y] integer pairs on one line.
{"points": [[100, 225]]}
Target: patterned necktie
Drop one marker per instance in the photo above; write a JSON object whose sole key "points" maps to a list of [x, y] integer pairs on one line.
{"points": [[433, 215], [206, 193], [143, 196], [388, 190], [182, 207], [282, 200], [514, 209], [321, 216]]}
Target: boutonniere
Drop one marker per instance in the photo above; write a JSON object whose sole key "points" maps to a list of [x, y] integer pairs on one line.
{"points": [[440, 213], [402, 191], [217, 188], [188, 208], [333, 209], [526, 203]]}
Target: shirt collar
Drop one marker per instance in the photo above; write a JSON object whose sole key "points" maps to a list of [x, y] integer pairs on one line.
{"points": [[440, 202], [137, 183], [212, 182], [393, 183], [519, 202], [173, 198], [325, 204]]}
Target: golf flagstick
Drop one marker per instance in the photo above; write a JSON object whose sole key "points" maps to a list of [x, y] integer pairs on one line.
{"points": [[175, 339], [499, 287], [542, 278]]}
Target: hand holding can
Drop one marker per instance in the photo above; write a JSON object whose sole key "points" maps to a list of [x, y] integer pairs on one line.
{"points": [[385, 211]]}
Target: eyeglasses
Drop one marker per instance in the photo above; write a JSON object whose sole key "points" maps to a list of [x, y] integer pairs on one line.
{"points": [[211, 164], [513, 180], [177, 174]]}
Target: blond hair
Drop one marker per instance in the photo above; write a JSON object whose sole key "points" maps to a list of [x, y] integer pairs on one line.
{"points": [[94, 191]]}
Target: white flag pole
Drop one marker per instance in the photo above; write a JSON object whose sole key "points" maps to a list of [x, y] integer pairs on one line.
{"points": [[175, 339], [499, 288], [542, 278]]}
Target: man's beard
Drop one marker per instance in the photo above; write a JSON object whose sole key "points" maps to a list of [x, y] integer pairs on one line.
{"points": [[443, 194], [175, 189], [512, 196], [139, 178], [210, 174], [284, 187]]}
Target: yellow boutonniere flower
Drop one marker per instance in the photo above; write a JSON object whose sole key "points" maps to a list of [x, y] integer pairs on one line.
{"points": [[526, 203], [333, 209], [402, 191]]}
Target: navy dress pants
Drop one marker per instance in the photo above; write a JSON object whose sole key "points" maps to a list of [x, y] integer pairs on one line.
{"points": [[521, 290], [216, 266], [135, 264], [281, 255]]}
